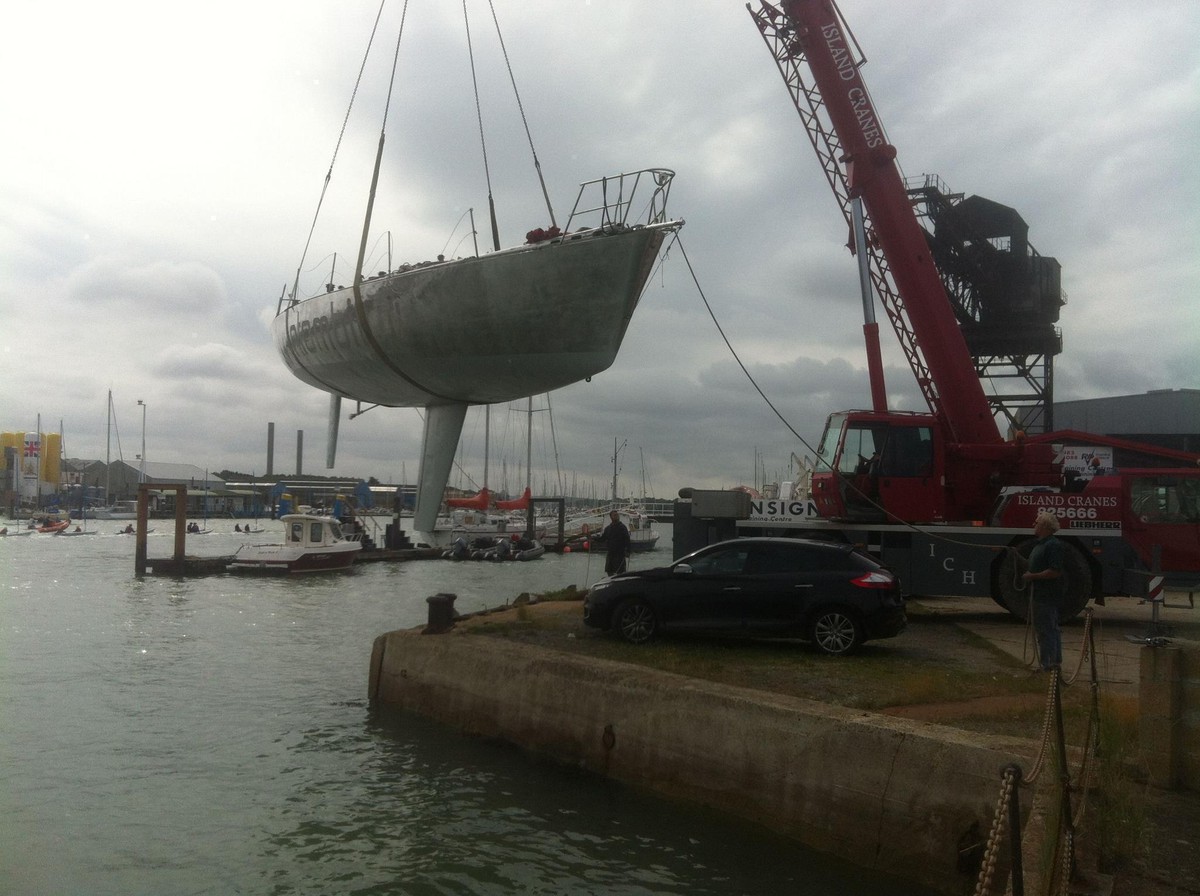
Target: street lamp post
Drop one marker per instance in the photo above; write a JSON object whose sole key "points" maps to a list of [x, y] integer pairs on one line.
{"points": [[142, 467]]}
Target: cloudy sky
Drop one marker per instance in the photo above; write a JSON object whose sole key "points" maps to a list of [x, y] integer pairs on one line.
{"points": [[162, 165]]}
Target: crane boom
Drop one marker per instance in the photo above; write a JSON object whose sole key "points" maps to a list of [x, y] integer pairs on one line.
{"points": [[813, 32], [904, 481]]}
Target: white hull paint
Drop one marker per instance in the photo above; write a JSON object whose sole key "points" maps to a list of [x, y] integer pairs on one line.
{"points": [[475, 330], [486, 329]]}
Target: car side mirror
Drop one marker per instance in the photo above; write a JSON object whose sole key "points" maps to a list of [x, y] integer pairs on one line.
{"points": [[683, 569]]}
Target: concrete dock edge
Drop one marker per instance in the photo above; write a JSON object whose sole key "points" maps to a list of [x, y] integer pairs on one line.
{"points": [[888, 794]]}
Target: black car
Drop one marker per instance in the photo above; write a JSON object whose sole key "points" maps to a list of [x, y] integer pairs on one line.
{"points": [[832, 594]]}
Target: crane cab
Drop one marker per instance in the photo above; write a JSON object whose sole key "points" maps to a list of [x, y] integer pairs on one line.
{"points": [[876, 466]]}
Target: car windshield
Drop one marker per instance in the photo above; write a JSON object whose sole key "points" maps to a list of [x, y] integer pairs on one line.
{"points": [[829, 440]]}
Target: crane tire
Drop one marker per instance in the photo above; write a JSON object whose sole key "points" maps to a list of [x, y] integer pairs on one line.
{"points": [[1016, 600]]}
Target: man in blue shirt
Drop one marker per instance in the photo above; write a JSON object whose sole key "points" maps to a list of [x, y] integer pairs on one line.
{"points": [[1048, 585]]}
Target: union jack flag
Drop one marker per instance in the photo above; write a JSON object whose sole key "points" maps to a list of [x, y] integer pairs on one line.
{"points": [[33, 447]]}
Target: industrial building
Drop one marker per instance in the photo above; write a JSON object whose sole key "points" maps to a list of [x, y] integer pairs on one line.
{"points": [[1169, 418]]}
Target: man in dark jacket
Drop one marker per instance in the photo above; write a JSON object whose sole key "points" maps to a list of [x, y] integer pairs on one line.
{"points": [[1045, 578], [616, 538]]}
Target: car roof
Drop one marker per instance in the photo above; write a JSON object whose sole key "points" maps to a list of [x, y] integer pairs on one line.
{"points": [[776, 539], [812, 543]]}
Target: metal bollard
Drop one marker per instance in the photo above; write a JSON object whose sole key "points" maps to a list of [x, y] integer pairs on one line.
{"points": [[441, 613]]}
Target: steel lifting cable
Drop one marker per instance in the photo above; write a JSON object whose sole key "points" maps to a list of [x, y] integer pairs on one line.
{"points": [[487, 174], [537, 165], [387, 107], [732, 351], [359, 307], [337, 146]]}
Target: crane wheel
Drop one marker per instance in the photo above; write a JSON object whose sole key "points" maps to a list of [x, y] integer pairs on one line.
{"points": [[1008, 593]]}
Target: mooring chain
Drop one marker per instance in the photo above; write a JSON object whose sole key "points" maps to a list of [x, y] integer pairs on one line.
{"points": [[988, 868], [1051, 722], [1072, 821], [1047, 723], [1086, 651], [1068, 862], [1086, 768], [1092, 747], [1091, 744]]}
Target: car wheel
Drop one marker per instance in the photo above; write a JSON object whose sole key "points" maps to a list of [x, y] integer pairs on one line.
{"points": [[835, 632], [635, 622]]}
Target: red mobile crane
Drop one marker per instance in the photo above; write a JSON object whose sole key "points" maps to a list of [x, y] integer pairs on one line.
{"points": [[941, 495]]}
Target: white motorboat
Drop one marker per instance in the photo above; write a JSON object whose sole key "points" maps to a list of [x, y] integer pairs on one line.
{"points": [[311, 543], [122, 510]]}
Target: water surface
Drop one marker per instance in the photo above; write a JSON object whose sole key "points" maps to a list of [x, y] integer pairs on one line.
{"points": [[212, 736]]}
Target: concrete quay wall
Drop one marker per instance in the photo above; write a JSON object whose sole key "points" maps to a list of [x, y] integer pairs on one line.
{"points": [[887, 794]]}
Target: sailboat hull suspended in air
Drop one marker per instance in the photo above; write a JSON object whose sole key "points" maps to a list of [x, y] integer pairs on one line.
{"points": [[483, 330], [477, 330]]}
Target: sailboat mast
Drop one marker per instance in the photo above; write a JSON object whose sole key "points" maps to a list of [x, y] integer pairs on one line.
{"points": [[108, 451], [529, 449], [37, 466], [614, 487], [62, 456], [560, 481]]}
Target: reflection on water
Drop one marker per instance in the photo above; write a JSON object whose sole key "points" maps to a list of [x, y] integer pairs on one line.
{"points": [[212, 736]]}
